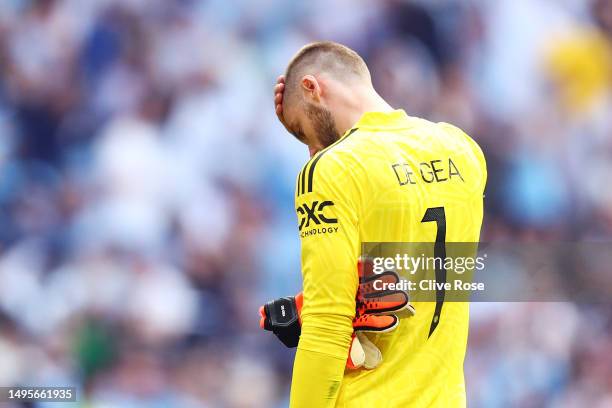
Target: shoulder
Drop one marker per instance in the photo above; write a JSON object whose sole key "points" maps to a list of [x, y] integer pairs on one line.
{"points": [[472, 151], [329, 167], [462, 137]]}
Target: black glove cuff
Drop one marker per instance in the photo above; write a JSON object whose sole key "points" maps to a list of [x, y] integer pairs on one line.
{"points": [[283, 320]]}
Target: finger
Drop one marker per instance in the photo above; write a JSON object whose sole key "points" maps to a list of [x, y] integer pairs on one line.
{"points": [[391, 301], [373, 356], [373, 323], [365, 267], [278, 97], [279, 110], [377, 283], [388, 302], [279, 87], [262, 320], [280, 79]]}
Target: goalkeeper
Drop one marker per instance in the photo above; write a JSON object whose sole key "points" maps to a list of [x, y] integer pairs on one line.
{"points": [[375, 175]]}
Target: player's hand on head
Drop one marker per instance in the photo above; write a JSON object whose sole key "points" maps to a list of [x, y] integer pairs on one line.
{"points": [[279, 89]]}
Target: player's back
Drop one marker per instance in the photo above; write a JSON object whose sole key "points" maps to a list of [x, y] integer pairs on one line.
{"points": [[413, 181]]}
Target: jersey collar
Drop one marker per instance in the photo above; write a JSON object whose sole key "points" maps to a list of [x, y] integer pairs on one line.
{"points": [[394, 119]]}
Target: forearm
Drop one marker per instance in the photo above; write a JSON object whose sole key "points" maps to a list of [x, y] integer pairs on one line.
{"points": [[320, 361]]}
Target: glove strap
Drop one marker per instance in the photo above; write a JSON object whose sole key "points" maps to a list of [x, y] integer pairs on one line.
{"points": [[283, 320]]}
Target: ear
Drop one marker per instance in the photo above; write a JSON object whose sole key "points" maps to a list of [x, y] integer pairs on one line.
{"points": [[311, 88]]}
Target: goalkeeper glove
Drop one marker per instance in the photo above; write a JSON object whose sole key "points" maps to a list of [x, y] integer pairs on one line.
{"points": [[374, 313]]}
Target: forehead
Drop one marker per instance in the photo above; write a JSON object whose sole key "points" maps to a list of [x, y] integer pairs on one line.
{"points": [[294, 118], [292, 111]]}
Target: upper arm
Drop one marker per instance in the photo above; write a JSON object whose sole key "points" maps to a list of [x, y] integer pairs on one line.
{"points": [[329, 233]]}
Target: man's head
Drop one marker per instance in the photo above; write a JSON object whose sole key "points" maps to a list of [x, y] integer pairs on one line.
{"points": [[320, 83]]}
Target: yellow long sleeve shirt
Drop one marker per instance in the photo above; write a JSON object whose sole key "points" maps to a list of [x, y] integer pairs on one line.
{"points": [[375, 184]]}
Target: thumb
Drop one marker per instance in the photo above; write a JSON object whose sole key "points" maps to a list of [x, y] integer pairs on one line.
{"points": [[356, 358]]}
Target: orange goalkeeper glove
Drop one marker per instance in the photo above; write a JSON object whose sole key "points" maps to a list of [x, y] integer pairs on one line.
{"points": [[374, 312]]}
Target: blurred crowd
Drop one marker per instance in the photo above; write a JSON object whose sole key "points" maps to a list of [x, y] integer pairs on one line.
{"points": [[146, 188]]}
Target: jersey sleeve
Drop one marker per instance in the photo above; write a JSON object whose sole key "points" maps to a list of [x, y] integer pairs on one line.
{"points": [[328, 228]]}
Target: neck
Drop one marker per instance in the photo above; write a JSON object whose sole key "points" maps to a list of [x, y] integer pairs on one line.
{"points": [[354, 103]]}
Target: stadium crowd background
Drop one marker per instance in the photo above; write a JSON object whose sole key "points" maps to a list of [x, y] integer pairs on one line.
{"points": [[146, 188]]}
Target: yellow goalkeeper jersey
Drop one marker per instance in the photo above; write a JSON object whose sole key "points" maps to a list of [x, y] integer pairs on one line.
{"points": [[382, 182]]}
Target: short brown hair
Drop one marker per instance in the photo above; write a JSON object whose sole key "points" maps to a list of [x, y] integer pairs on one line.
{"points": [[326, 56]]}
